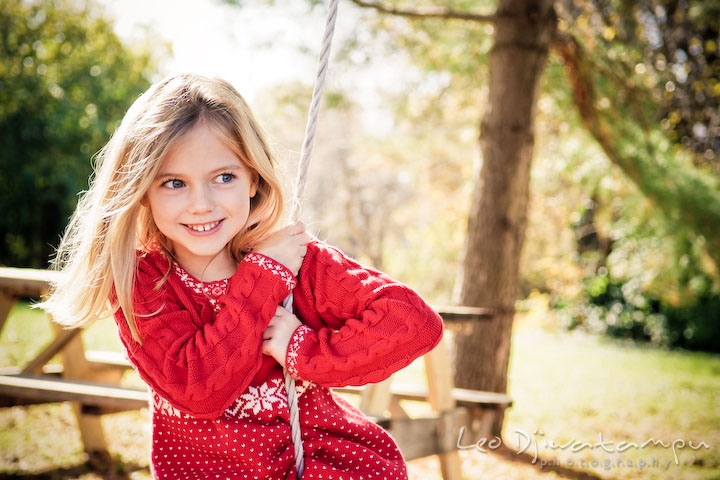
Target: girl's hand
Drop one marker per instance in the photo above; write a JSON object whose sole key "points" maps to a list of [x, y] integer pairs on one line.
{"points": [[287, 246], [278, 333]]}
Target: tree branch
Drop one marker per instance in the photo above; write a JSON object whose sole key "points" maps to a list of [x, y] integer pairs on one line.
{"points": [[683, 193], [445, 13]]}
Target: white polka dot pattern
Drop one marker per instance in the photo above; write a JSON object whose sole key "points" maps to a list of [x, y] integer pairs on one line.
{"points": [[252, 440], [252, 437]]}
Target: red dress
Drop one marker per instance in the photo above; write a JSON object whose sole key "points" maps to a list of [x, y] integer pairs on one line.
{"points": [[219, 406]]}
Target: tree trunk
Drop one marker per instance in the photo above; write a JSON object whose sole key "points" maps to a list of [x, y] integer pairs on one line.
{"points": [[496, 228]]}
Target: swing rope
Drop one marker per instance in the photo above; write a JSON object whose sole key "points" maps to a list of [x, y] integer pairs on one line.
{"points": [[297, 205]]}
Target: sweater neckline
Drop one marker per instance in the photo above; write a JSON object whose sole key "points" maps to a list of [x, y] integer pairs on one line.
{"points": [[215, 289]]}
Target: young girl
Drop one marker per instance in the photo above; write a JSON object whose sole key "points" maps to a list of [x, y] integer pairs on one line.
{"points": [[179, 230]]}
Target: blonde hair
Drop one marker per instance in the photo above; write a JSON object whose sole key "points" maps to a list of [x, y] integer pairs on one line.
{"points": [[99, 248]]}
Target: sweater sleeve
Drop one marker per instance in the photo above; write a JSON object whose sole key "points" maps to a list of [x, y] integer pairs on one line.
{"points": [[360, 326], [199, 360]]}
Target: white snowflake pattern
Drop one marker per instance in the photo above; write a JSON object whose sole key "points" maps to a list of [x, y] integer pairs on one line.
{"points": [[165, 408], [264, 398], [303, 387], [211, 290], [292, 355], [258, 399], [273, 267]]}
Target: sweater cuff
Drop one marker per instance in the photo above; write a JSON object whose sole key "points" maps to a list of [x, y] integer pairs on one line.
{"points": [[272, 266], [291, 357]]}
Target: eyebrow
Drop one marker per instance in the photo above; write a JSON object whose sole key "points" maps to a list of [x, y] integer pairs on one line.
{"points": [[217, 170]]}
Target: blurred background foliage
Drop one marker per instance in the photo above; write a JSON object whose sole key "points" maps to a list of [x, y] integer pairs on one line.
{"points": [[624, 223], [65, 83], [649, 71]]}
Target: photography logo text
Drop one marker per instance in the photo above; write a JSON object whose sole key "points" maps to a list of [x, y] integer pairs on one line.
{"points": [[533, 444]]}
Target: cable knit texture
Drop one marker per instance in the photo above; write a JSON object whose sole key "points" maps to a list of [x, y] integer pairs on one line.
{"points": [[219, 405]]}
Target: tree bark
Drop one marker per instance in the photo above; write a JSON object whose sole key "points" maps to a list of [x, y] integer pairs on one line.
{"points": [[489, 274]]}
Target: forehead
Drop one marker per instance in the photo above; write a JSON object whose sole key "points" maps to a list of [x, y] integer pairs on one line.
{"points": [[199, 149]]}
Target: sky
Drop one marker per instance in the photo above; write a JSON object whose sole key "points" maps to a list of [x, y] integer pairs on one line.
{"points": [[253, 47], [257, 46]]}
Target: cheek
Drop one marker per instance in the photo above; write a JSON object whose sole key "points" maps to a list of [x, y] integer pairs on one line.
{"points": [[236, 199], [161, 208]]}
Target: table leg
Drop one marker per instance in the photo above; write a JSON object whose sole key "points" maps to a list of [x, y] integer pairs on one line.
{"points": [[440, 384], [6, 304], [76, 366], [376, 398]]}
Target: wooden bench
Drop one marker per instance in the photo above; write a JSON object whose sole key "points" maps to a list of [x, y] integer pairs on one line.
{"points": [[437, 432], [90, 380], [95, 398]]}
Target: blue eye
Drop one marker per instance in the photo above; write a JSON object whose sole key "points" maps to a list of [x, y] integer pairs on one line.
{"points": [[225, 178], [173, 183]]}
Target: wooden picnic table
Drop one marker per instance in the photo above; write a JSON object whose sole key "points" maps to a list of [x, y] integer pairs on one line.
{"points": [[91, 381]]}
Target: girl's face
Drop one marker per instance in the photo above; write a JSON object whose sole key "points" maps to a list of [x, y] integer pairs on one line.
{"points": [[201, 198]]}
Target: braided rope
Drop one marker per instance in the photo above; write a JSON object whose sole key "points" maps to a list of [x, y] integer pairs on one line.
{"points": [[313, 112], [295, 211], [294, 411]]}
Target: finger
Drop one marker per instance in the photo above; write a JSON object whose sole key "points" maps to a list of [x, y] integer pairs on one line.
{"points": [[304, 238], [296, 228], [268, 333]]}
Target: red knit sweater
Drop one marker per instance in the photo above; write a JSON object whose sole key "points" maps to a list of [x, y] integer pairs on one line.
{"points": [[219, 405]]}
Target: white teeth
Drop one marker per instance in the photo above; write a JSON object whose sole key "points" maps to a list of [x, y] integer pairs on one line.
{"points": [[205, 227]]}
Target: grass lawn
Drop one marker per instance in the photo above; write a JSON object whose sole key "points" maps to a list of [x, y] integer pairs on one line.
{"points": [[565, 388]]}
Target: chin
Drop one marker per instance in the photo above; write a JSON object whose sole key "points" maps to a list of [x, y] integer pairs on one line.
{"points": [[208, 254]]}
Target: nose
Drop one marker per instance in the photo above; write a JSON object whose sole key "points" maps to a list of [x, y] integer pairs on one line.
{"points": [[201, 200]]}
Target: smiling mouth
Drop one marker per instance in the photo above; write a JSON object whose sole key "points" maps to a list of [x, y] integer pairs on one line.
{"points": [[203, 227]]}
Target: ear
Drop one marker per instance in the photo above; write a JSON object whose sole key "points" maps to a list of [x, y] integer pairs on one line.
{"points": [[254, 184], [144, 201]]}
